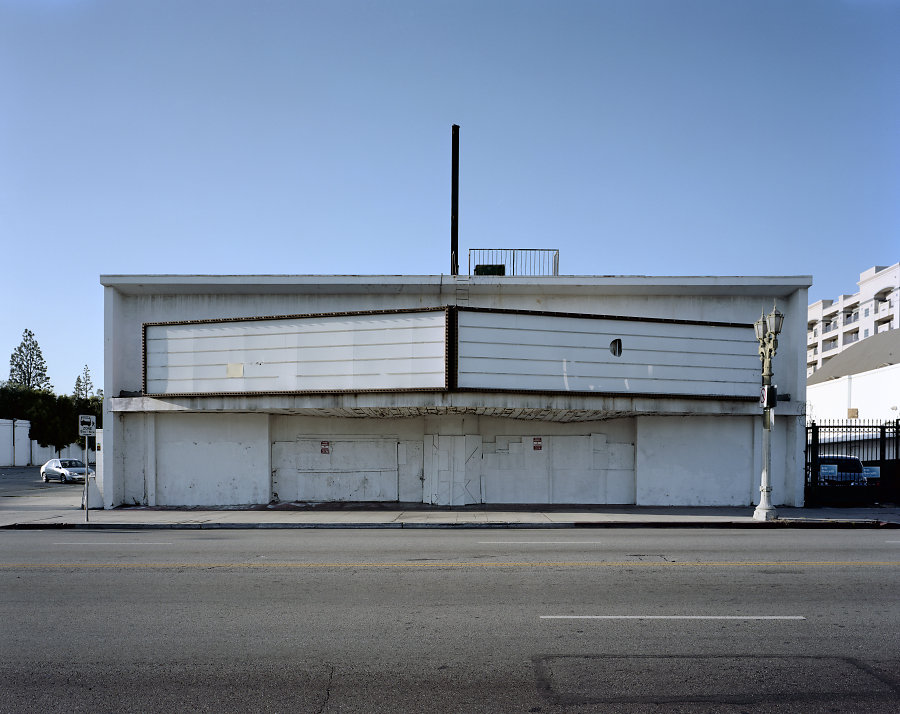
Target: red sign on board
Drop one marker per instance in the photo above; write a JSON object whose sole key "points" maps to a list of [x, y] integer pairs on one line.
{"points": [[536, 443]]}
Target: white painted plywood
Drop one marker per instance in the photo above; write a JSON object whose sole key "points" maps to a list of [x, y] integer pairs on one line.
{"points": [[532, 352], [323, 353], [344, 470]]}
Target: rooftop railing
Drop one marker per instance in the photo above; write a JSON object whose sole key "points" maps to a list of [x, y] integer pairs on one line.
{"points": [[513, 261]]}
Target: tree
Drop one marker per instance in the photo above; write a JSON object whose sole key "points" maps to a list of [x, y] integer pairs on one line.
{"points": [[27, 367], [54, 420], [84, 387]]}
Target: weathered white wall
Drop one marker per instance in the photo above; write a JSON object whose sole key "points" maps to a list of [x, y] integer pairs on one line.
{"points": [[695, 461], [874, 394], [28, 452], [454, 460], [207, 460], [582, 468], [15, 448], [336, 469], [714, 461], [369, 459], [221, 459]]}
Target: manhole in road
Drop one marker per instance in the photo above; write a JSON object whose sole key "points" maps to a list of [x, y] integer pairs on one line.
{"points": [[608, 679]]}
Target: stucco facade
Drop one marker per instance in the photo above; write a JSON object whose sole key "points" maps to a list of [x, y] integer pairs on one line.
{"points": [[518, 416]]}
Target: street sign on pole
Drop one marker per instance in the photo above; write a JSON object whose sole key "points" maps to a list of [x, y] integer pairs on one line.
{"points": [[87, 425]]}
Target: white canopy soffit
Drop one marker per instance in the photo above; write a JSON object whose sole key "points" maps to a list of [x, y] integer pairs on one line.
{"points": [[450, 349]]}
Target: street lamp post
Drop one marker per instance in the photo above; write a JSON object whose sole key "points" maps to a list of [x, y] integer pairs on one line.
{"points": [[767, 328]]}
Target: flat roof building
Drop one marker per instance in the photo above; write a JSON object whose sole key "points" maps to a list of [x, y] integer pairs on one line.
{"points": [[446, 390]]}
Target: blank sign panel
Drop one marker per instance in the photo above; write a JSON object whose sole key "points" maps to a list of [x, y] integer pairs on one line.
{"points": [[557, 353], [322, 353]]}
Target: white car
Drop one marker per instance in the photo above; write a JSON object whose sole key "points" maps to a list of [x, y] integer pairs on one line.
{"points": [[65, 470]]}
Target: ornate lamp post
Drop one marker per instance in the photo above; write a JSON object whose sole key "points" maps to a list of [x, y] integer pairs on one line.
{"points": [[767, 328]]}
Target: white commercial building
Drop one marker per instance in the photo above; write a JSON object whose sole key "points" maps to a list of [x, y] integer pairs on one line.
{"points": [[447, 390], [863, 382], [834, 325]]}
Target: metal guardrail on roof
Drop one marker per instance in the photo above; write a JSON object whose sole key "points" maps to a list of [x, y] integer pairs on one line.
{"points": [[513, 261]]}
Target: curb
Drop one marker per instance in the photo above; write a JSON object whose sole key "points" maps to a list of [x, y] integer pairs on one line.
{"points": [[768, 525]]}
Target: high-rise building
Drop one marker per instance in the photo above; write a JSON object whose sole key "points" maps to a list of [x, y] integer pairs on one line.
{"points": [[834, 325]]}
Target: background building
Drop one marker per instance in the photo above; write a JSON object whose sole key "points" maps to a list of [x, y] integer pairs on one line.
{"points": [[834, 325], [447, 390], [863, 382]]}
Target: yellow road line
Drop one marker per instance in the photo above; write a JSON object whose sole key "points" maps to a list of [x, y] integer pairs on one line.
{"points": [[538, 564]]}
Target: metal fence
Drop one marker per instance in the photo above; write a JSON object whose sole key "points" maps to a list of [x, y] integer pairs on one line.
{"points": [[874, 443], [513, 261]]}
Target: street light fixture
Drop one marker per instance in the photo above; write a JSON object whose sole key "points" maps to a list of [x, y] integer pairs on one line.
{"points": [[767, 328]]}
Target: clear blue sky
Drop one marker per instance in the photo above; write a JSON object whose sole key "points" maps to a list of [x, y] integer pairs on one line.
{"points": [[655, 137]]}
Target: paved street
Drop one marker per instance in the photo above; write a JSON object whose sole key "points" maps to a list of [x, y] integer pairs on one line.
{"points": [[465, 621]]}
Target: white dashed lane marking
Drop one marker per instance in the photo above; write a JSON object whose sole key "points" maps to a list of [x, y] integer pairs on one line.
{"points": [[672, 617]]}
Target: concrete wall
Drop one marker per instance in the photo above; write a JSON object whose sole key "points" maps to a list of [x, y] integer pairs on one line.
{"points": [[194, 460], [24, 452], [874, 395], [204, 460], [728, 474], [15, 448], [220, 459]]}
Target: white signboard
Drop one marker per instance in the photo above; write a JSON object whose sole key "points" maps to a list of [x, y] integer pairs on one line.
{"points": [[355, 352], [560, 353], [87, 425]]}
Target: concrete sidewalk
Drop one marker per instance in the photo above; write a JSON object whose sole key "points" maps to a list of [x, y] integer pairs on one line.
{"points": [[30, 512]]}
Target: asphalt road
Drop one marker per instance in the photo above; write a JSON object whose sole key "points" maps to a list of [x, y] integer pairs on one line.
{"points": [[450, 621], [26, 481]]}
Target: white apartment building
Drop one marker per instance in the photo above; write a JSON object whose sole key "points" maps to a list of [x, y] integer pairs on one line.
{"points": [[834, 325]]}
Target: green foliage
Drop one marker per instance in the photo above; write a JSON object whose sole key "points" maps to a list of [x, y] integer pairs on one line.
{"points": [[54, 418], [84, 386], [27, 367], [15, 401]]}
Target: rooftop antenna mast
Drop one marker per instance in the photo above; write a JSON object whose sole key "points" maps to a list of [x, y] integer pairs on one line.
{"points": [[454, 205]]}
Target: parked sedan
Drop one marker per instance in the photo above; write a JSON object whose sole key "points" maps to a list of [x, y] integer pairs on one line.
{"points": [[64, 469]]}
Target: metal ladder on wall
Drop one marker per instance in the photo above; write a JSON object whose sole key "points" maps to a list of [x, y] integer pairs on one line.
{"points": [[462, 290]]}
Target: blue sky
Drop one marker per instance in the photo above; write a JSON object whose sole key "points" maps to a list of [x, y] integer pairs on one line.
{"points": [[653, 137]]}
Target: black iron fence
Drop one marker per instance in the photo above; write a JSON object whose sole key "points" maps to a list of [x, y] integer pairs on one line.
{"points": [[835, 452]]}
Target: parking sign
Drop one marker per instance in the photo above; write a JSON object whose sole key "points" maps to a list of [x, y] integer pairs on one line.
{"points": [[87, 425]]}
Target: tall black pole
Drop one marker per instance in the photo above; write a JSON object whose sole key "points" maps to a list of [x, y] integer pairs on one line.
{"points": [[454, 206]]}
